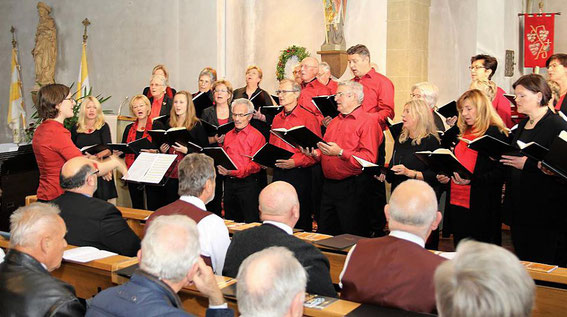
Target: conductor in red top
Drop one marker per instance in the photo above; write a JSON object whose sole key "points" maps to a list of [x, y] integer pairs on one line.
{"points": [[241, 188], [345, 189]]}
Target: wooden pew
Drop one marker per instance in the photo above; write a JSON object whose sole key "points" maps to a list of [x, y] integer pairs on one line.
{"points": [[136, 219], [87, 278]]}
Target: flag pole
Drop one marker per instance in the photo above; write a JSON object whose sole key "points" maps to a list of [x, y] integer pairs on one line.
{"points": [[82, 88]]}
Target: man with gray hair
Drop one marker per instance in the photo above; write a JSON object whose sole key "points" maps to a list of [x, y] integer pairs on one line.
{"points": [[169, 260], [396, 271], [353, 133], [37, 242], [279, 211], [483, 280], [324, 77], [271, 282], [241, 187], [196, 189]]}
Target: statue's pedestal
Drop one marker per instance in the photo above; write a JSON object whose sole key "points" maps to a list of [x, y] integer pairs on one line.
{"points": [[336, 59]]}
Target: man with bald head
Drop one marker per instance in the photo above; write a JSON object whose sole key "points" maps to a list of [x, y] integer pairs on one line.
{"points": [[279, 211], [37, 242], [396, 270], [258, 276], [92, 221]]}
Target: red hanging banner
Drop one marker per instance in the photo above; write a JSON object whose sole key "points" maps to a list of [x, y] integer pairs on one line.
{"points": [[538, 38]]}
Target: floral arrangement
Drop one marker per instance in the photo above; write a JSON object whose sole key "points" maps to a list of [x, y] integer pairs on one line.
{"points": [[300, 52]]}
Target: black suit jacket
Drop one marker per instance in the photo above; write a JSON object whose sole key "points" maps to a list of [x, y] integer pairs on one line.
{"points": [[97, 223], [257, 239], [166, 105]]}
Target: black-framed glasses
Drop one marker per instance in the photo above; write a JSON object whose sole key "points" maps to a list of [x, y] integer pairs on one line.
{"points": [[476, 67], [94, 172]]}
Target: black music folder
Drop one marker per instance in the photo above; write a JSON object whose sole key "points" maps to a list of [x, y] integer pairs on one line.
{"points": [[449, 110], [533, 150], [220, 130], [298, 136], [339, 242], [395, 128], [443, 161], [276, 99], [370, 168], [271, 110], [511, 98], [94, 149], [555, 160], [491, 146], [450, 137], [133, 147], [162, 119], [269, 153], [180, 135], [220, 157], [259, 100], [326, 105], [201, 101]]}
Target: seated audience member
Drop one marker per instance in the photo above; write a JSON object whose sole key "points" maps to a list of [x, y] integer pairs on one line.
{"points": [[279, 210], [160, 69], [91, 221], [37, 242], [396, 271], [241, 186], [169, 261], [483, 280], [271, 283], [197, 188]]}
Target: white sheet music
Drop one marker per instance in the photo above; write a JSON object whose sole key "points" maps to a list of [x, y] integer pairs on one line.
{"points": [[85, 254], [149, 167]]}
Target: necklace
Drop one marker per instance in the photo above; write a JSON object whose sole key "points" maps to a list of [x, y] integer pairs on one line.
{"points": [[532, 120]]}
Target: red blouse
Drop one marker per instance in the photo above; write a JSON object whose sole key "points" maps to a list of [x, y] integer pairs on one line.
{"points": [[52, 146], [461, 194]]}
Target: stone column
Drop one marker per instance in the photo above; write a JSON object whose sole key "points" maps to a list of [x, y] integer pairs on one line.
{"points": [[407, 46]]}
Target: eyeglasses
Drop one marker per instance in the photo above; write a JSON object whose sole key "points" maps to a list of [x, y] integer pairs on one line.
{"points": [[241, 115], [94, 172], [284, 91], [341, 94], [476, 67], [308, 66], [221, 90], [415, 95], [70, 99]]}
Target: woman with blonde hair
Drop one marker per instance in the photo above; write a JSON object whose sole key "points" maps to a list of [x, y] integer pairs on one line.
{"points": [[91, 129], [182, 115], [475, 204]]}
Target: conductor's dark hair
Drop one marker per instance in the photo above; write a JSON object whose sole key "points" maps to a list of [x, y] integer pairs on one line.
{"points": [[488, 62], [77, 180], [560, 57], [359, 49], [535, 83], [48, 97]]}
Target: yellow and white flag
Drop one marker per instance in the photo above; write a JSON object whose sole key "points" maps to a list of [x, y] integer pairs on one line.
{"points": [[16, 105], [83, 85]]}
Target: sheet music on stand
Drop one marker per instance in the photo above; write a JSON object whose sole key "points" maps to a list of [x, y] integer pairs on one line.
{"points": [[150, 168]]}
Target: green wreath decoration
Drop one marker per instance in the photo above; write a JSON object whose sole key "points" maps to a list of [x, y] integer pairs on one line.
{"points": [[299, 51]]}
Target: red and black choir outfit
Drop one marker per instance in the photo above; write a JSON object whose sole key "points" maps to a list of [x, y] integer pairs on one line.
{"points": [[160, 107], [131, 133], [378, 101], [170, 92], [241, 187], [299, 176], [562, 104], [52, 147], [535, 202], [475, 209], [344, 200], [502, 106]]}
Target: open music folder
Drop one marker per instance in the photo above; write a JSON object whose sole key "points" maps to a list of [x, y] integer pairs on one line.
{"points": [[443, 161], [150, 168], [298, 136]]}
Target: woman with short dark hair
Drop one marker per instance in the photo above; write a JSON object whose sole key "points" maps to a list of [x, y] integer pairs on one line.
{"points": [[534, 201], [557, 71]]}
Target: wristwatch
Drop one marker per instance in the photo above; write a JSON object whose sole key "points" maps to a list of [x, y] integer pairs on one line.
{"points": [[341, 152]]}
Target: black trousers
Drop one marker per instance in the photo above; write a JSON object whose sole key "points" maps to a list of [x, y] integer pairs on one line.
{"points": [[241, 199], [170, 191], [316, 189], [154, 196], [540, 243], [300, 179], [376, 200], [344, 206], [137, 195]]}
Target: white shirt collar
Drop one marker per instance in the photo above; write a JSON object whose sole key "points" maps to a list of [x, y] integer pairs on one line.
{"points": [[196, 201], [280, 225], [408, 237]]}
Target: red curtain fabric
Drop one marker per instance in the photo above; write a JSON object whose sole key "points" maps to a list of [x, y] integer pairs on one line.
{"points": [[538, 38]]}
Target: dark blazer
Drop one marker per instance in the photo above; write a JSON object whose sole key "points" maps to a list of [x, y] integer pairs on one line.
{"points": [[259, 238], [391, 272], [210, 115], [143, 295], [27, 289], [97, 223], [166, 105]]}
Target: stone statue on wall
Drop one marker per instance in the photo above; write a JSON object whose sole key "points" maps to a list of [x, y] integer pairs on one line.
{"points": [[335, 12], [45, 50]]}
